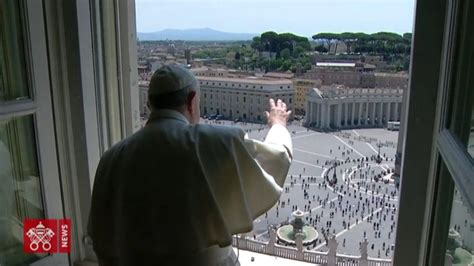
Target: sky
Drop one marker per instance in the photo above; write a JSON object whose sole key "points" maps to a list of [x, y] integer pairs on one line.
{"points": [[302, 17]]}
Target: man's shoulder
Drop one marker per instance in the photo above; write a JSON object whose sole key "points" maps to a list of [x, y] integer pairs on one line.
{"points": [[118, 147], [205, 129]]}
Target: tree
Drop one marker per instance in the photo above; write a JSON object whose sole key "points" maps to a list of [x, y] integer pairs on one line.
{"points": [[269, 39], [285, 53], [298, 51], [275, 64], [275, 43], [257, 43], [291, 49], [351, 38], [286, 65], [378, 43], [407, 37], [321, 48], [327, 37]]}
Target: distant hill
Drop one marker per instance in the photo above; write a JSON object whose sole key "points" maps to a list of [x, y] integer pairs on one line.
{"points": [[205, 34]]}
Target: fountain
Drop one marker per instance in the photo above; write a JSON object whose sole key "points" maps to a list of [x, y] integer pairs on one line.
{"points": [[287, 233]]}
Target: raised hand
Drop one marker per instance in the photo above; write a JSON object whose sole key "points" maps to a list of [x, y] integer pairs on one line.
{"points": [[278, 113]]}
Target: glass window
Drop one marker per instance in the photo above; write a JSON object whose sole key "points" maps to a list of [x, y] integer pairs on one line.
{"points": [[470, 144], [20, 189], [13, 81], [460, 245]]}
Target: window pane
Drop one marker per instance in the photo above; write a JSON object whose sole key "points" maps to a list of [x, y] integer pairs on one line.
{"points": [[460, 246], [470, 144], [20, 189], [13, 80]]}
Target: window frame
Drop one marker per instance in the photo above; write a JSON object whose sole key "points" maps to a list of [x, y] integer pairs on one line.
{"points": [[39, 105], [455, 103], [416, 189], [426, 196]]}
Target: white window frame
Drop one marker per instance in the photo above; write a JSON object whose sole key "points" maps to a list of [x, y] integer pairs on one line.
{"points": [[39, 106], [92, 54]]}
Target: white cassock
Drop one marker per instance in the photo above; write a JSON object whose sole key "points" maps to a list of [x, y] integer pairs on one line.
{"points": [[175, 193]]}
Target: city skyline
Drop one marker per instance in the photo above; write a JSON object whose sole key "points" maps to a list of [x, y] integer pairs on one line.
{"points": [[302, 17]]}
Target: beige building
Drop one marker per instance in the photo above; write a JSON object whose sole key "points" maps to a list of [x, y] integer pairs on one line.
{"points": [[376, 60], [356, 75], [302, 88], [391, 80], [279, 75], [242, 98], [143, 98], [231, 94], [343, 77], [337, 107], [209, 72]]}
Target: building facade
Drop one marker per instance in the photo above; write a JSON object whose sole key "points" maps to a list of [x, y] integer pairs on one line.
{"points": [[233, 96], [143, 98], [391, 80], [356, 75], [242, 98], [302, 88], [337, 107], [359, 79]]}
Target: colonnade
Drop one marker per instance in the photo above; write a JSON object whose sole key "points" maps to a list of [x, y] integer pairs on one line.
{"points": [[326, 114]]}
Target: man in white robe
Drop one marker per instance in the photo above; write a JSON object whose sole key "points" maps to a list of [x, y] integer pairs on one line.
{"points": [[176, 191]]}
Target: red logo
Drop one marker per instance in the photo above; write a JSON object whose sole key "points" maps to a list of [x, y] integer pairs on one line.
{"points": [[47, 236]]}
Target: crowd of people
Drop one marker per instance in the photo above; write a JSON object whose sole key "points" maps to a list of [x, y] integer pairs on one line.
{"points": [[355, 190], [351, 191]]}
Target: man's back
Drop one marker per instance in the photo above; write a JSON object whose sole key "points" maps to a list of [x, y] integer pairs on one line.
{"points": [[174, 189]]}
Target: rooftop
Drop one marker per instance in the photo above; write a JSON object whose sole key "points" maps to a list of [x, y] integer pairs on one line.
{"points": [[284, 75], [248, 80], [386, 74], [335, 64]]}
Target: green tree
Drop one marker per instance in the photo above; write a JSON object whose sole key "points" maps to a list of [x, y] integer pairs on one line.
{"points": [[298, 51], [275, 43], [286, 65], [285, 53], [407, 37], [321, 48], [257, 43], [327, 37], [270, 41]]}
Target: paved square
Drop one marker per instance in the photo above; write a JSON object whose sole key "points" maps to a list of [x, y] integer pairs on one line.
{"points": [[362, 204]]}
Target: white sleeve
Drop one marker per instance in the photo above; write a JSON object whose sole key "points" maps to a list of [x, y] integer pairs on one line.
{"points": [[250, 175], [279, 135], [274, 155]]}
